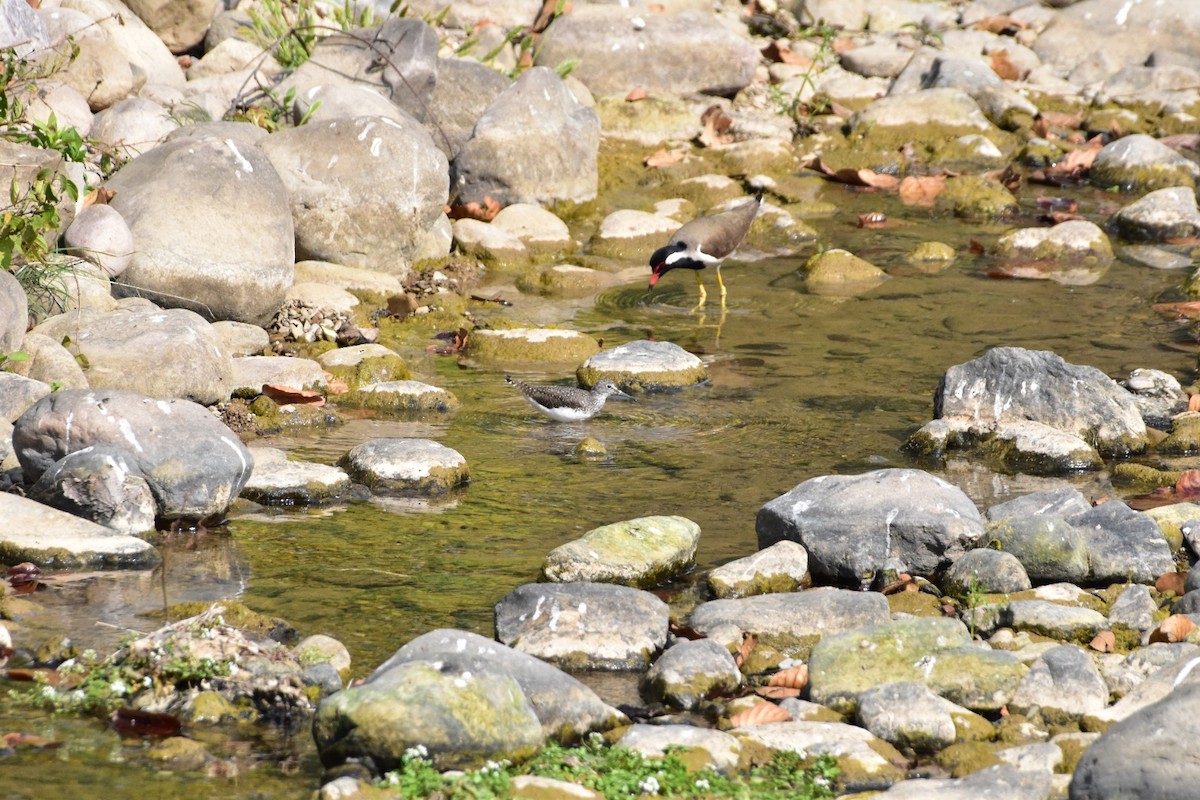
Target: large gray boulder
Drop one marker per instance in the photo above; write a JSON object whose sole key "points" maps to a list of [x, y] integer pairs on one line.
{"points": [[464, 90], [1033, 411], [852, 525], [54, 539], [537, 143], [195, 466], [1151, 753], [14, 313], [364, 191], [398, 59], [202, 254], [162, 353], [620, 49]]}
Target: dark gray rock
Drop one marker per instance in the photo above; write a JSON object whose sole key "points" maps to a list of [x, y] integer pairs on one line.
{"points": [[1158, 395], [985, 570], [1063, 501], [909, 715], [200, 254], [100, 483], [193, 463], [464, 90], [1135, 608], [1014, 385], [1140, 163], [673, 54], [1151, 753], [1123, 544], [690, 672], [536, 143], [852, 524], [567, 709], [1049, 548], [1064, 680], [1003, 782], [583, 625]]}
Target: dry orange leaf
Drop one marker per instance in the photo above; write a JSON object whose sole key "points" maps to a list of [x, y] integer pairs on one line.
{"points": [[636, 94], [1002, 66], [286, 395], [781, 53], [793, 677], [1185, 310], [875, 219], [749, 642], [1104, 642], [484, 212], [716, 127], [100, 196], [1000, 24], [663, 158], [1061, 119], [759, 714], [776, 692], [1194, 403], [1188, 485], [921, 190], [1171, 582], [333, 385], [1173, 629]]}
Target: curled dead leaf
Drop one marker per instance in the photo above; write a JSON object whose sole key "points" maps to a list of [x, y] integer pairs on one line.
{"points": [[776, 692], [749, 642], [333, 385], [759, 714], [717, 126], [1189, 309], [1174, 628], [793, 677], [484, 212], [663, 158], [100, 196], [1194, 403], [1004, 67], [921, 190], [637, 94], [1171, 582], [1188, 485], [1104, 642], [779, 52], [286, 395]]}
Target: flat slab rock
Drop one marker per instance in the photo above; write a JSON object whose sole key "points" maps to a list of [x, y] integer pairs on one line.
{"points": [[639, 552], [406, 466], [530, 345], [644, 366], [276, 480], [54, 539], [584, 625]]}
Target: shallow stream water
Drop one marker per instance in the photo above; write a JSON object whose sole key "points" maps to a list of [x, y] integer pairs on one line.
{"points": [[801, 385]]}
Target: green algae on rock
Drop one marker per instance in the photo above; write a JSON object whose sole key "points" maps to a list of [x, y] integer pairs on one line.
{"points": [[976, 197], [529, 345], [644, 366], [840, 272], [639, 552]]}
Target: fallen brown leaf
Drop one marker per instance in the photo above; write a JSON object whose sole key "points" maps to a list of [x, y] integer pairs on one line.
{"points": [[100, 196], [776, 692], [15, 739], [875, 219], [1188, 485], [286, 395], [1005, 68], [484, 212], [1182, 141], [1103, 642], [663, 158], [793, 677], [716, 127], [636, 94], [1000, 24], [1194, 403], [1188, 309], [749, 642], [779, 52], [1062, 119], [1171, 582], [133, 722], [1173, 629], [333, 385], [921, 190], [759, 714]]}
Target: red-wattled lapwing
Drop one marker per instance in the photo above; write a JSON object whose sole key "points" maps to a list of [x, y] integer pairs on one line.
{"points": [[566, 403], [705, 241]]}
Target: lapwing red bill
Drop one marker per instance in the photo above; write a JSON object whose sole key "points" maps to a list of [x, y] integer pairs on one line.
{"points": [[703, 242]]}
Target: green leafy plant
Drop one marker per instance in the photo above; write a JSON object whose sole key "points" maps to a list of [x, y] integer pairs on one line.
{"points": [[792, 104], [619, 772], [287, 29], [16, 356]]}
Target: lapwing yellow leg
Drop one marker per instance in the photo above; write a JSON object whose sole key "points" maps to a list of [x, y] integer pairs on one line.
{"points": [[703, 293], [721, 284]]}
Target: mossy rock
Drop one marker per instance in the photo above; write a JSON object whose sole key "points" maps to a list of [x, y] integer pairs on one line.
{"points": [[404, 397], [644, 366], [931, 256], [1184, 438], [530, 345], [566, 280], [238, 616], [270, 417], [647, 122], [364, 364], [840, 272], [976, 197], [963, 758]]}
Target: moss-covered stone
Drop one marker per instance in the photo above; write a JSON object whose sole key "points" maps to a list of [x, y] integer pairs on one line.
{"points": [[1184, 438], [976, 197], [403, 397], [841, 272], [1141, 478], [566, 280], [534, 345], [639, 552], [964, 758], [179, 753], [931, 255]]}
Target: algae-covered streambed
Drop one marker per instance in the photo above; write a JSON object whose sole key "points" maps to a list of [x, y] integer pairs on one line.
{"points": [[801, 385]]}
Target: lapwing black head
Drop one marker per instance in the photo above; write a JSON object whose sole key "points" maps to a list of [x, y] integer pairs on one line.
{"points": [[567, 403], [705, 241]]}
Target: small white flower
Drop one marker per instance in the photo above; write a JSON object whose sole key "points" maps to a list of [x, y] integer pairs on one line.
{"points": [[822, 781], [147, 681], [49, 692], [77, 696], [649, 785], [701, 783], [118, 687], [417, 752]]}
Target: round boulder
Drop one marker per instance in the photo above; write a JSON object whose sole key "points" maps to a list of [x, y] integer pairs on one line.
{"points": [[406, 466], [644, 366]]}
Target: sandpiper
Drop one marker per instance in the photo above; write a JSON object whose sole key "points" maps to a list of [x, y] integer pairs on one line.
{"points": [[566, 403], [704, 241]]}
